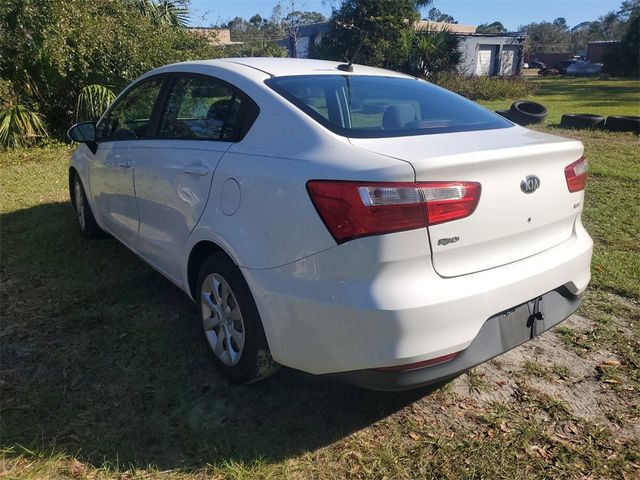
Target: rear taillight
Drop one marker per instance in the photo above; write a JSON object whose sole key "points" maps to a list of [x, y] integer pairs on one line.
{"points": [[357, 209], [576, 174]]}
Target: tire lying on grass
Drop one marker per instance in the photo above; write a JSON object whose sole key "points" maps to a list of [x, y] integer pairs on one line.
{"points": [[581, 120], [620, 123], [524, 112]]}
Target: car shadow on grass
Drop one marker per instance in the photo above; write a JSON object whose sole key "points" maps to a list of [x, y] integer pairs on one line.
{"points": [[103, 358]]}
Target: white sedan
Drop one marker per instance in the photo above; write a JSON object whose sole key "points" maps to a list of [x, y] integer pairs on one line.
{"points": [[338, 219]]}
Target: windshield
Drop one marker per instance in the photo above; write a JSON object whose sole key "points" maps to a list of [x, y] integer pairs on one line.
{"points": [[373, 106]]}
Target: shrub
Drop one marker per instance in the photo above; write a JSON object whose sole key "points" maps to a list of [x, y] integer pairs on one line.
{"points": [[20, 126], [484, 88], [65, 45], [432, 51], [20, 123], [93, 101]]}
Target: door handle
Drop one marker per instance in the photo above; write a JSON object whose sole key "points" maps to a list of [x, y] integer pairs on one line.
{"points": [[198, 170], [125, 164]]}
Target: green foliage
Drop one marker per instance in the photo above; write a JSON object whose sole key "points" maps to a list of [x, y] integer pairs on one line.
{"points": [[436, 15], [256, 49], [20, 126], [384, 25], [495, 27], [389, 39], [20, 123], [93, 101], [485, 88], [65, 45], [164, 12], [556, 36], [432, 51], [624, 59]]}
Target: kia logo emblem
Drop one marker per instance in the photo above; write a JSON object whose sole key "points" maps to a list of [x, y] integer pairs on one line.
{"points": [[530, 184]]}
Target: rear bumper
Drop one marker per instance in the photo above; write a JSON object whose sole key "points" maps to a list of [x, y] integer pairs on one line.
{"points": [[377, 302], [499, 334]]}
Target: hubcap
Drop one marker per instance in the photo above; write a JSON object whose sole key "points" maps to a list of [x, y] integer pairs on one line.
{"points": [[79, 205], [222, 320]]}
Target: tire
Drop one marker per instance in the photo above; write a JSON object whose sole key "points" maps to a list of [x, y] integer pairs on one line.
{"points": [[581, 120], [86, 221], [618, 123], [231, 322], [549, 71], [525, 113]]}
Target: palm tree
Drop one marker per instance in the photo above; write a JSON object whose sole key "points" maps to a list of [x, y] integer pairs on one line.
{"points": [[93, 101], [164, 12]]}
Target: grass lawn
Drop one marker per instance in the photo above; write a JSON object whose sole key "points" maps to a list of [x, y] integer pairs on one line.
{"points": [[105, 373], [582, 95]]}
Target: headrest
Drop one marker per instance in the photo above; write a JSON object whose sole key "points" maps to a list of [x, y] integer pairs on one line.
{"points": [[219, 111], [397, 116]]}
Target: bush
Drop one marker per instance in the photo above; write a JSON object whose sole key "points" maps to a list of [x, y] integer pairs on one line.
{"points": [[65, 45], [484, 88]]}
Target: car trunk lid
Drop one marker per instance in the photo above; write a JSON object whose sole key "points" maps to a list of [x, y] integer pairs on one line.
{"points": [[509, 223]]}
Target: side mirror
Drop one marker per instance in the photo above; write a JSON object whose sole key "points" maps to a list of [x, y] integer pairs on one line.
{"points": [[84, 132]]}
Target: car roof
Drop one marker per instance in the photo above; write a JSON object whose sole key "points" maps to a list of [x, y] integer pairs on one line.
{"points": [[276, 67]]}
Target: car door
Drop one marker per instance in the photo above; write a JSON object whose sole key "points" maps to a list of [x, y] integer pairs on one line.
{"points": [[111, 177], [200, 119]]}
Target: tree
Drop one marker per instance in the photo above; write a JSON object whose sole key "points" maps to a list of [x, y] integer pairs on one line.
{"points": [[495, 27], [164, 12], [561, 22], [624, 59], [433, 51], [65, 45], [389, 38], [257, 21], [436, 15], [546, 37], [383, 27], [295, 19], [629, 9]]}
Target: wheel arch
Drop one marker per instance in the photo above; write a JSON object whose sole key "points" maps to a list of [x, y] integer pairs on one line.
{"points": [[198, 254]]}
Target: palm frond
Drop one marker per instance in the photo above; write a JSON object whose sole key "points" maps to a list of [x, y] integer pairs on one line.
{"points": [[20, 126], [93, 101], [164, 12]]}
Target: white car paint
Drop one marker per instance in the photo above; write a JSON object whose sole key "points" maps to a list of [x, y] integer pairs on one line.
{"points": [[372, 302]]}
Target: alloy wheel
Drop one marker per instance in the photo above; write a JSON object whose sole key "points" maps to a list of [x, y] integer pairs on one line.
{"points": [[222, 320]]}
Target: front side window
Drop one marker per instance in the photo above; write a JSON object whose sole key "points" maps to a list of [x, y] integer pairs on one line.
{"points": [[130, 118], [200, 108], [365, 106]]}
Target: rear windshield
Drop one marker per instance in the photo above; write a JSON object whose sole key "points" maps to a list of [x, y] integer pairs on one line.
{"points": [[373, 106]]}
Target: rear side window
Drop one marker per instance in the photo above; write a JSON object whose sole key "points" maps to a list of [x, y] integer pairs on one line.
{"points": [[374, 106], [130, 118], [200, 108]]}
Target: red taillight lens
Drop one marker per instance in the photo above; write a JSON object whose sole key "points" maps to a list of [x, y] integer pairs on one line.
{"points": [[576, 175], [357, 209]]}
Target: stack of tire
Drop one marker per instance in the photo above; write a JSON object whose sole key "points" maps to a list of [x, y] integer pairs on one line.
{"points": [[523, 112], [614, 123]]}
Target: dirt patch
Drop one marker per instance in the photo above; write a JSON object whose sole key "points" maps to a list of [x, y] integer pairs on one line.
{"points": [[547, 367]]}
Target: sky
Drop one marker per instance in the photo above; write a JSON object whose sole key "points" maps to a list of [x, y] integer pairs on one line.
{"points": [[512, 13]]}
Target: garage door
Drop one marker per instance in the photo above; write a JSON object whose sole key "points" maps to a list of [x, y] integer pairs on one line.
{"points": [[508, 61], [486, 61]]}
